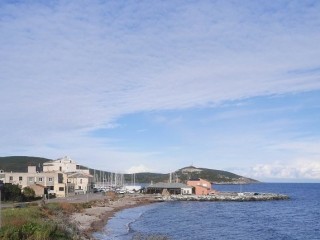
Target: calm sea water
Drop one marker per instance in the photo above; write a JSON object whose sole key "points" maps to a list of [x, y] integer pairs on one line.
{"points": [[297, 218]]}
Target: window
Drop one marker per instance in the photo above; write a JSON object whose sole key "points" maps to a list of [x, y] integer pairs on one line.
{"points": [[60, 169], [20, 178], [50, 179], [80, 180], [61, 189], [40, 179], [11, 178], [60, 178], [30, 179]]}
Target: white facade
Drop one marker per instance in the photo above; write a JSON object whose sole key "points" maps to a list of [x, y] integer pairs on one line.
{"points": [[80, 178], [82, 181], [60, 177], [55, 182], [65, 164]]}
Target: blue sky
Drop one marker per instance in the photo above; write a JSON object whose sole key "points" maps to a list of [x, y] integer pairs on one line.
{"points": [[134, 86]]}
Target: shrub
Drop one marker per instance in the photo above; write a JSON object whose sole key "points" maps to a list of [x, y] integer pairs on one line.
{"points": [[29, 223], [11, 192], [111, 195], [28, 193]]}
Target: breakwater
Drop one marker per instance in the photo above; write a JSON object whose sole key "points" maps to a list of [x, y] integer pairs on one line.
{"points": [[227, 196]]}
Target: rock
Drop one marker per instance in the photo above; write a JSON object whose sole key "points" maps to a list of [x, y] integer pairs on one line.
{"points": [[226, 196]]}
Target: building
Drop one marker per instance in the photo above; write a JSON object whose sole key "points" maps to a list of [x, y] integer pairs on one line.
{"points": [[65, 164], [169, 188], [201, 186], [81, 180], [54, 182], [61, 177]]}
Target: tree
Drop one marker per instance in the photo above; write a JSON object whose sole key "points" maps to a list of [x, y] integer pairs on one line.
{"points": [[28, 193], [11, 192]]}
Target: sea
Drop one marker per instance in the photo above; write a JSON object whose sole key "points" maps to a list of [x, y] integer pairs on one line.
{"points": [[296, 218]]}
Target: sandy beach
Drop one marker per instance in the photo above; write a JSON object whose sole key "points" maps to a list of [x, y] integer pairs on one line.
{"points": [[95, 218]]}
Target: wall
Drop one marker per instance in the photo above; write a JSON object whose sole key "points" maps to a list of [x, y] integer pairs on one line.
{"points": [[202, 187]]}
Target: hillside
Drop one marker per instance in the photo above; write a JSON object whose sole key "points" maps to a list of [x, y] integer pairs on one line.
{"points": [[212, 175], [184, 174], [21, 163]]}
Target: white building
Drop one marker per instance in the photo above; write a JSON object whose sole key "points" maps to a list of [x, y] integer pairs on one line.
{"points": [[55, 182], [60, 177], [65, 164], [81, 181], [80, 178]]}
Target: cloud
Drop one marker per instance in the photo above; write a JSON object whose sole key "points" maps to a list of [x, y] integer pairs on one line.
{"points": [[138, 169], [70, 68], [300, 169]]}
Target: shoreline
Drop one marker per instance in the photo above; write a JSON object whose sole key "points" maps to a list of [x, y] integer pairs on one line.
{"points": [[94, 219]]}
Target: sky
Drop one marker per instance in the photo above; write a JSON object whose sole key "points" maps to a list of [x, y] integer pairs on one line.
{"points": [[132, 86]]}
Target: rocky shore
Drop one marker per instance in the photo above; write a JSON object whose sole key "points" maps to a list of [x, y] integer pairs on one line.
{"points": [[227, 196], [93, 219]]}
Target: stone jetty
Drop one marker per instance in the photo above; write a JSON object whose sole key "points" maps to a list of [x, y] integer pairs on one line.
{"points": [[227, 196]]}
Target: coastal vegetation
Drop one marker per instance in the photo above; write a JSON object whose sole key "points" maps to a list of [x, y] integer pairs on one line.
{"points": [[43, 222], [12, 192], [191, 172], [212, 175]]}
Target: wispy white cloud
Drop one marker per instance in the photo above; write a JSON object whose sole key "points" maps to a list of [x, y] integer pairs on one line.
{"points": [[301, 169], [138, 169], [68, 68]]}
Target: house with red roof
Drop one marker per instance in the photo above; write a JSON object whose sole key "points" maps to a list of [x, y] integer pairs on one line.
{"points": [[200, 186]]}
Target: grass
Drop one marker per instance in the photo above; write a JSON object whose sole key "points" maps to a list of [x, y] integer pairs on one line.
{"points": [[40, 223]]}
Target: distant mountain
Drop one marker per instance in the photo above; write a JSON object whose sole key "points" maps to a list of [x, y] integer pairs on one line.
{"points": [[147, 177], [191, 172], [212, 175], [21, 163]]}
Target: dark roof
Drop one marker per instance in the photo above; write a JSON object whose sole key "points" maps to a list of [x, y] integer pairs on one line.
{"points": [[194, 179]]}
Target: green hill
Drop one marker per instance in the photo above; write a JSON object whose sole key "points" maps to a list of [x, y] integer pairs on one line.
{"points": [[184, 174], [20, 163], [212, 175], [148, 177]]}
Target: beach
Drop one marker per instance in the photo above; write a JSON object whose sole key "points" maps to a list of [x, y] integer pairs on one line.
{"points": [[102, 208]]}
